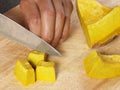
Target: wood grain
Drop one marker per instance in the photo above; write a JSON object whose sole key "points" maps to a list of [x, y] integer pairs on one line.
{"points": [[70, 71]]}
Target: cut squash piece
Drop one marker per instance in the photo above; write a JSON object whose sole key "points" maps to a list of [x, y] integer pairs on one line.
{"points": [[24, 72], [102, 66], [106, 28], [45, 71], [34, 57], [100, 23], [91, 11]]}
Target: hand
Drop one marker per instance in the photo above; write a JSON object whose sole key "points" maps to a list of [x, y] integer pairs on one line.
{"points": [[49, 19]]}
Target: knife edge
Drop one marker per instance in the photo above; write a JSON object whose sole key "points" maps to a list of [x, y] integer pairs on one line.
{"points": [[31, 40]]}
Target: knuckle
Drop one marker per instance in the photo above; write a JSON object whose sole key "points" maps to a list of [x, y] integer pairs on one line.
{"points": [[48, 39], [48, 11], [34, 18], [37, 1], [60, 14], [22, 3]]}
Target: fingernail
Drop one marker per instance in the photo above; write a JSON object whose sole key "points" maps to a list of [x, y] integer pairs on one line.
{"points": [[62, 40]]}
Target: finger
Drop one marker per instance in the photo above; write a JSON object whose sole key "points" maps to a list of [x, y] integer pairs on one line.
{"points": [[68, 7], [47, 19], [59, 24], [66, 30], [32, 15]]}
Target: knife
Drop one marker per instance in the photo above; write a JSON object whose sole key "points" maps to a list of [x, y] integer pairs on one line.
{"points": [[16, 32]]}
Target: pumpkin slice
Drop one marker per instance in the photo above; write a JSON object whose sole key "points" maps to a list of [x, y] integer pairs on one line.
{"points": [[102, 66], [100, 23]]}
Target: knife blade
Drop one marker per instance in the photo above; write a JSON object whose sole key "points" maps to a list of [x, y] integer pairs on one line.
{"points": [[16, 32]]}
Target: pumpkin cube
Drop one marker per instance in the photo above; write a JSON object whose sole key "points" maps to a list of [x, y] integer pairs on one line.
{"points": [[34, 57], [45, 71], [24, 72]]}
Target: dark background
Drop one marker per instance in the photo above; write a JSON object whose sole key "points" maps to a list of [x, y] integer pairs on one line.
{"points": [[5, 5]]}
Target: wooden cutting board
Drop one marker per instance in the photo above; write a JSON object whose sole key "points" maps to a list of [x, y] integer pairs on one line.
{"points": [[70, 70]]}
